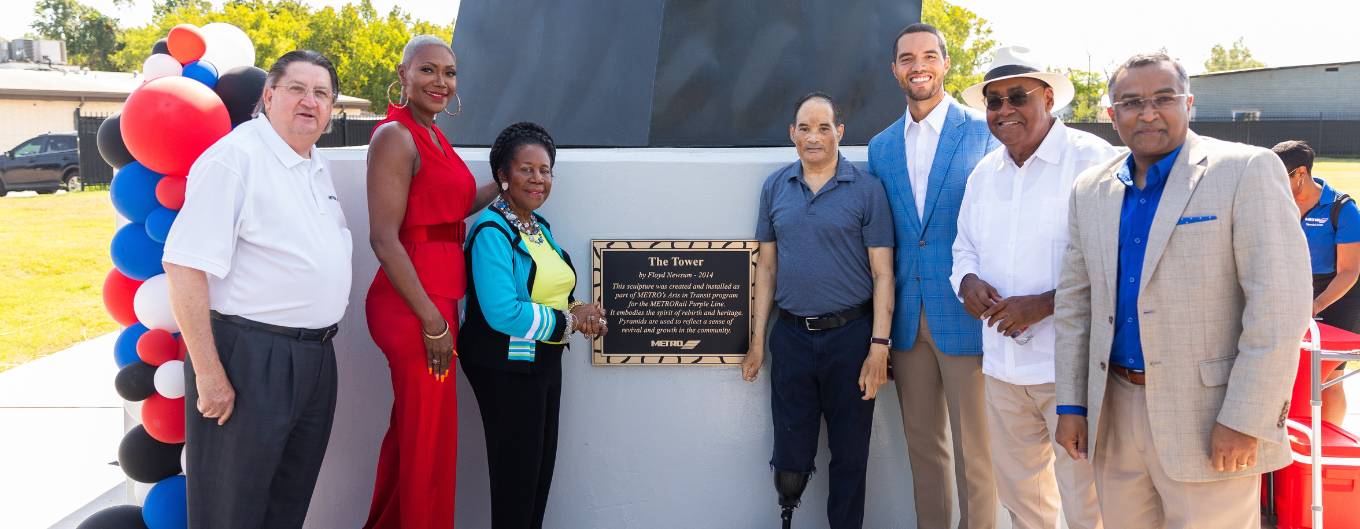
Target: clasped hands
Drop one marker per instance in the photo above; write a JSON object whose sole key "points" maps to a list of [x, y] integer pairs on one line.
{"points": [[590, 319], [1010, 316]]}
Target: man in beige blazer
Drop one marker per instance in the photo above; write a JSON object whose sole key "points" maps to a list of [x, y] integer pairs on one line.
{"points": [[1184, 292]]}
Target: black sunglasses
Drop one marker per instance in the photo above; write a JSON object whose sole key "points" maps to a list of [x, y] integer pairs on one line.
{"points": [[1017, 99]]}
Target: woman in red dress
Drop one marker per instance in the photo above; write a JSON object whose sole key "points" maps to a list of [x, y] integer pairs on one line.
{"points": [[419, 192]]}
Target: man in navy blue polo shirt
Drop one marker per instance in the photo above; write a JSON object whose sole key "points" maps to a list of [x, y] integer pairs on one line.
{"points": [[826, 237]]}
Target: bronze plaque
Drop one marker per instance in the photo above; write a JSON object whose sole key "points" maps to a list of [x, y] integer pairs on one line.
{"points": [[675, 302]]}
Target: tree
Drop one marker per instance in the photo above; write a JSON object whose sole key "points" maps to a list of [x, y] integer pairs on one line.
{"points": [[364, 45], [1236, 58], [1089, 87], [968, 41], [91, 37]]}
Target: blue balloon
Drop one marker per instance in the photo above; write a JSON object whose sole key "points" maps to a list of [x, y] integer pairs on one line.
{"points": [[125, 347], [133, 191], [203, 72], [165, 506], [135, 254], [158, 224]]}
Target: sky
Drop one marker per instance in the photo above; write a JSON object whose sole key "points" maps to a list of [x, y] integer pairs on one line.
{"points": [[1061, 33]]}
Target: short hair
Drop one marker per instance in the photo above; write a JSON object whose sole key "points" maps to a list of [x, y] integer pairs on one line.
{"points": [[920, 27], [280, 67], [420, 41], [835, 108], [1295, 154], [1147, 59], [509, 141]]}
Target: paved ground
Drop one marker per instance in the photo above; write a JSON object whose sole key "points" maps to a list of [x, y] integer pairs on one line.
{"points": [[62, 421]]}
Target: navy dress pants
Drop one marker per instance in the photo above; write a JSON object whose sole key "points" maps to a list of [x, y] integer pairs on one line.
{"points": [[258, 470], [815, 374]]}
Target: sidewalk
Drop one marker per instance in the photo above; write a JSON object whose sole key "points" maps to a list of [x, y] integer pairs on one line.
{"points": [[61, 421]]}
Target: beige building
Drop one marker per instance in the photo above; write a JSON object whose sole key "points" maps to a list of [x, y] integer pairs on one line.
{"points": [[35, 99]]}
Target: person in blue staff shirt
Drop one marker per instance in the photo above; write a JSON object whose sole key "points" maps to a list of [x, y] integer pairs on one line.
{"points": [[1331, 222]]}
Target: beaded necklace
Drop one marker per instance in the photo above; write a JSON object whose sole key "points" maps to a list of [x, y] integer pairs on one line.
{"points": [[530, 228]]}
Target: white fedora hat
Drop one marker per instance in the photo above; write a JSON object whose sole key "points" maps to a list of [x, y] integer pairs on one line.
{"points": [[1015, 61]]}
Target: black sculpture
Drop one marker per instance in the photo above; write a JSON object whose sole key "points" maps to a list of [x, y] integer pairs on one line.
{"points": [[678, 73]]}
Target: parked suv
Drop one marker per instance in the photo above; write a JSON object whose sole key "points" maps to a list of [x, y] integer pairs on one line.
{"points": [[44, 164]]}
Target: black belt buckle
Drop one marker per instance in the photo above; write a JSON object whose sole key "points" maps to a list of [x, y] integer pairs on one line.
{"points": [[816, 323]]}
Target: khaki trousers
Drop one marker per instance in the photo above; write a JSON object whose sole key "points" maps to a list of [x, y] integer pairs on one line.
{"points": [[1135, 492], [1030, 480], [942, 395]]}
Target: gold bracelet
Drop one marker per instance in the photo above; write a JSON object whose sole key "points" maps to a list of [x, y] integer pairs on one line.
{"points": [[440, 335], [572, 306]]}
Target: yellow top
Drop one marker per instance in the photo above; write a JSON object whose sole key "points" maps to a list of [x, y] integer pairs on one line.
{"points": [[553, 279]]}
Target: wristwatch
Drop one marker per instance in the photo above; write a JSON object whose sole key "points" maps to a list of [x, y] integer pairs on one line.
{"points": [[881, 341]]}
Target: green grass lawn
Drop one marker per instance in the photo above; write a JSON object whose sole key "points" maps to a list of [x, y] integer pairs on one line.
{"points": [[54, 258], [1341, 173]]}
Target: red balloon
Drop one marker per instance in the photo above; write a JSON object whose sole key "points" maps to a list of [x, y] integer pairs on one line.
{"points": [[170, 192], [169, 121], [164, 418], [118, 293], [186, 43], [157, 347]]}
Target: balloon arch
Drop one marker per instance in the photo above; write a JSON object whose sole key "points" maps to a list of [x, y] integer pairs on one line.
{"points": [[182, 108]]}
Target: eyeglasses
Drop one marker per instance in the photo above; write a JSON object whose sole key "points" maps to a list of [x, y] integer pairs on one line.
{"points": [[1137, 104], [1017, 100], [299, 91]]}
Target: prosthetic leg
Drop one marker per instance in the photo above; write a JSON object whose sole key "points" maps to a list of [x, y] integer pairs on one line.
{"points": [[790, 487]]}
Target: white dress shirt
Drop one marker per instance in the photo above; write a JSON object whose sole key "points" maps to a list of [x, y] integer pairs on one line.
{"points": [[1013, 233], [265, 225], [920, 140]]}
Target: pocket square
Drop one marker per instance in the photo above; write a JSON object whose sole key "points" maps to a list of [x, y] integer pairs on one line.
{"points": [[1192, 220]]}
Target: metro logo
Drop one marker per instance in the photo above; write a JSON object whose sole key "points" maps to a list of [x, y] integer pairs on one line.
{"points": [[682, 344]]}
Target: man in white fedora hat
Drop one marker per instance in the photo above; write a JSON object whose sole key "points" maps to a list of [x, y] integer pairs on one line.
{"points": [[1007, 262]]}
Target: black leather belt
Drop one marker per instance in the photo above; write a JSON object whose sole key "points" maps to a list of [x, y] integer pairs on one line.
{"points": [[827, 321], [306, 335]]}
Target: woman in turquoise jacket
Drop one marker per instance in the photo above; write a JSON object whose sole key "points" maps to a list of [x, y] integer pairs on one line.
{"points": [[520, 312]]}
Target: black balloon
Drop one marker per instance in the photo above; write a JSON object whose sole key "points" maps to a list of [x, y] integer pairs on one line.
{"points": [[145, 459], [161, 46], [110, 142], [116, 517], [136, 382], [240, 90]]}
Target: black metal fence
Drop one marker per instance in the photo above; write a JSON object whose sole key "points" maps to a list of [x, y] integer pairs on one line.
{"points": [[94, 171], [1327, 136]]}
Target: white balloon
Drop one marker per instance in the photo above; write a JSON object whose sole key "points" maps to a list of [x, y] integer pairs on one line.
{"points": [[170, 379], [161, 65], [227, 46], [134, 410], [151, 304]]}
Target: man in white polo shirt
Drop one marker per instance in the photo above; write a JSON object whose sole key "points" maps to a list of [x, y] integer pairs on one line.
{"points": [[259, 268], [1007, 260]]}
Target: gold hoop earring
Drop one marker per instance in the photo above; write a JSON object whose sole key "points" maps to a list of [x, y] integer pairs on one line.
{"points": [[460, 106], [400, 94]]}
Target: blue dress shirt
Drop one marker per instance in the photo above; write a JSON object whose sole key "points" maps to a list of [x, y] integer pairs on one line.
{"points": [[1135, 221]]}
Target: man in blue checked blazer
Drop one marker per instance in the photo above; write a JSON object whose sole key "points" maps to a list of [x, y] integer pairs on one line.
{"points": [[923, 160]]}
